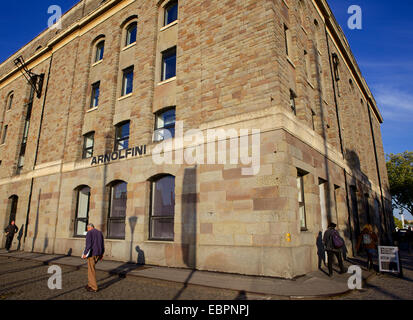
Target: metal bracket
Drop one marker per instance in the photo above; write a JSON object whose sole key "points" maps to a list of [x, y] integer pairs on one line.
{"points": [[35, 80]]}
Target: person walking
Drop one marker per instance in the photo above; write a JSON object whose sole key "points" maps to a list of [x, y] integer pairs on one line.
{"points": [[10, 231], [334, 246], [369, 240], [94, 251]]}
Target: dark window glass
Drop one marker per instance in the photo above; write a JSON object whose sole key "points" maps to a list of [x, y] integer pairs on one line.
{"points": [[10, 101], [117, 213], [169, 64], [88, 145], [3, 139], [292, 102], [131, 32], [13, 208], [100, 49], [165, 125], [171, 12], [122, 136], [95, 95], [162, 209], [127, 83], [82, 211]]}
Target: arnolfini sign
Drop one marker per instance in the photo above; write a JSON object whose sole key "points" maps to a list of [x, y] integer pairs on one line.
{"points": [[119, 155]]}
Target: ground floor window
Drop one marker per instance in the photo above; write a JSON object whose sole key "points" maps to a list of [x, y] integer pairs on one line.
{"points": [[82, 211], [117, 210], [162, 208]]}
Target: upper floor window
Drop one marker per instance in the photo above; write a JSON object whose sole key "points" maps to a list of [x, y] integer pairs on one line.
{"points": [[10, 101], [162, 212], [88, 145], [127, 81], [287, 36], [100, 49], [117, 210], [169, 64], [131, 32], [122, 136], [95, 95], [165, 124], [171, 12], [4, 136], [82, 211]]}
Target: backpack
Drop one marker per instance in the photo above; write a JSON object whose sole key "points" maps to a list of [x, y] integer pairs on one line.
{"points": [[338, 242]]}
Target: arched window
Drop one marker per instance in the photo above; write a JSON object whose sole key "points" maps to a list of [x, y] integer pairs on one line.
{"points": [[82, 211], [100, 50], [10, 100], [117, 210], [131, 32], [171, 12], [165, 124], [13, 200], [162, 208]]}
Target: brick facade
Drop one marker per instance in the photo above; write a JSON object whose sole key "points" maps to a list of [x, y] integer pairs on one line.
{"points": [[233, 72]]}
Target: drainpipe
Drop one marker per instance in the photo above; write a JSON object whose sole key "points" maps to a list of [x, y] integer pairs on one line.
{"points": [[37, 149]]}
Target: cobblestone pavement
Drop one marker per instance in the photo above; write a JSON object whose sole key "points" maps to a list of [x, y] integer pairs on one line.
{"points": [[28, 280], [387, 287]]}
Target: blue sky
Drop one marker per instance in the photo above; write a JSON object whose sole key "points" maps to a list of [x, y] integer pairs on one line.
{"points": [[383, 49]]}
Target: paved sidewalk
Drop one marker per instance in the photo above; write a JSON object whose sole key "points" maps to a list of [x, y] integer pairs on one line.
{"points": [[314, 285]]}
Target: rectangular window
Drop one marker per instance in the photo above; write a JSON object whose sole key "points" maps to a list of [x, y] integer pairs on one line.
{"points": [[88, 145], [100, 49], [287, 40], [117, 212], [3, 138], [162, 209], [82, 212], [292, 102], [127, 82], [169, 64], [301, 200], [171, 12], [165, 125], [95, 95], [122, 136], [313, 114]]}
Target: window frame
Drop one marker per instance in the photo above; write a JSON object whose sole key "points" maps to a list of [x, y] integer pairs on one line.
{"points": [[166, 55], [125, 73], [9, 102], [128, 34], [94, 101], [117, 219], [171, 4], [152, 217], [118, 139], [100, 51], [4, 134], [168, 127], [77, 219], [301, 204], [87, 149]]}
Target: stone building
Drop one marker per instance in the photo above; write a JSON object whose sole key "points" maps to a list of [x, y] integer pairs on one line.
{"points": [[78, 139]]}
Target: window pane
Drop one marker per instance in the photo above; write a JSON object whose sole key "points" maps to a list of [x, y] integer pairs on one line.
{"points": [[100, 48], [164, 197], [119, 198], [83, 204], [131, 34], [299, 187], [302, 217], [162, 229], [122, 137], [81, 228], [3, 139], [116, 228], [10, 101], [95, 94], [127, 81], [171, 13], [169, 64]]}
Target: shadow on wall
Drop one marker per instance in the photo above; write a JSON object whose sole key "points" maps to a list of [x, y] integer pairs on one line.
{"points": [[19, 237], [36, 225], [132, 224]]}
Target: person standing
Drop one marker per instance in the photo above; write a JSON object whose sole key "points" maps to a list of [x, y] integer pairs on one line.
{"points": [[10, 231], [94, 251], [334, 246], [369, 240]]}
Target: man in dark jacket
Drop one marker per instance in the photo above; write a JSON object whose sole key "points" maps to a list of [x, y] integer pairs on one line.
{"points": [[10, 231], [95, 248], [332, 250]]}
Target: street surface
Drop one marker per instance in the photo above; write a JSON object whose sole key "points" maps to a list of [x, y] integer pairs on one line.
{"points": [[28, 280]]}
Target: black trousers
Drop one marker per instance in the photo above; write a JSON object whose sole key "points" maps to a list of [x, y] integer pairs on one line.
{"points": [[9, 241], [331, 255]]}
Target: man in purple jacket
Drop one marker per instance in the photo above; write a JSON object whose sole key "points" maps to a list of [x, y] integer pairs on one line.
{"points": [[95, 248]]}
